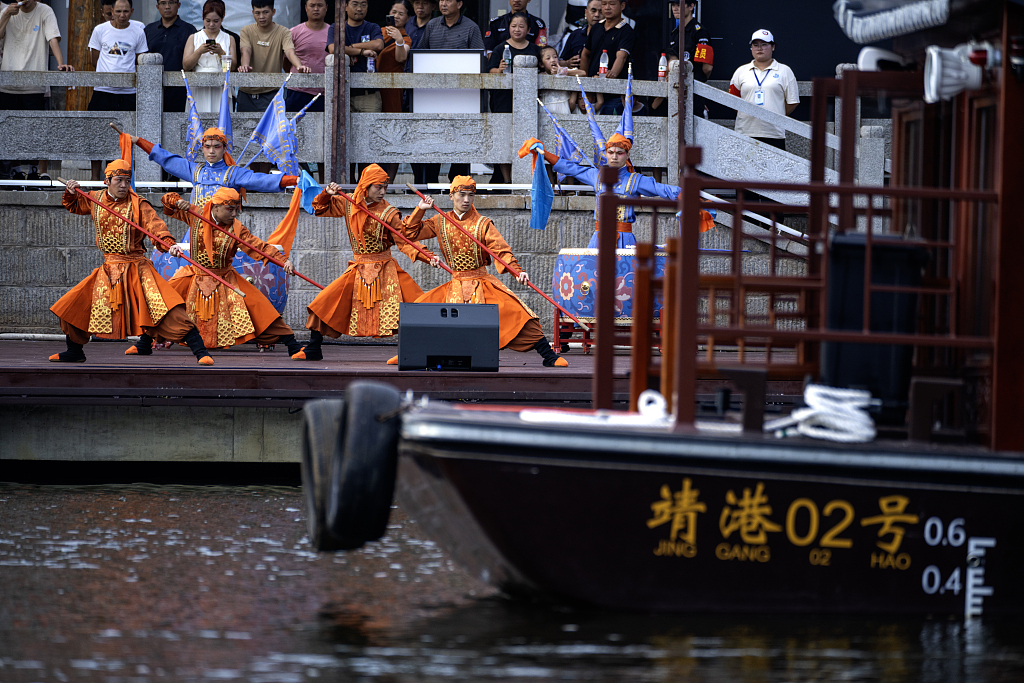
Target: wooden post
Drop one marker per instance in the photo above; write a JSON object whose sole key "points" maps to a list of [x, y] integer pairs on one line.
{"points": [[669, 323], [687, 289], [1008, 362], [643, 297], [607, 235], [83, 17], [339, 142]]}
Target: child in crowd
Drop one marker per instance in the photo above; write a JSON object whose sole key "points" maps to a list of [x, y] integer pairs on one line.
{"points": [[518, 44], [558, 102]]}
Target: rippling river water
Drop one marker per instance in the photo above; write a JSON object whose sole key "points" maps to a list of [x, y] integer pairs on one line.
{"points": [[138, 583]]}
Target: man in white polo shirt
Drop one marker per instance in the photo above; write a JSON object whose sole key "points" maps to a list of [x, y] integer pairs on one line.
{"points": [[766, 83], [115, 47], [31, 33]]}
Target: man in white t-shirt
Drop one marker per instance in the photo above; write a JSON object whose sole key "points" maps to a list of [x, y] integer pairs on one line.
{"points": [[30, 32], [766, 83], [115, 46]]}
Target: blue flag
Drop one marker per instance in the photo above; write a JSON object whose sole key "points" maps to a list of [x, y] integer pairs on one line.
{"points": [[565, 147], [224, 119], [541, 194], [194, 136], [309, 188], [275, 135], [625, 128], [595, 130]]}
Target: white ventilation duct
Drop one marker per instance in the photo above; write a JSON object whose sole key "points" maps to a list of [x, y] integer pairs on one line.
{"points": [[864, 24], [869, 58], [947, 73]]}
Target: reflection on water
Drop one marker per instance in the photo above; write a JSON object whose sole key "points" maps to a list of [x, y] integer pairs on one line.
{"points": [[133, 583]]}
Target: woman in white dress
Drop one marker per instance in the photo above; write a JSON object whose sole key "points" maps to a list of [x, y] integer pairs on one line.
{"points": [[204, 52]]}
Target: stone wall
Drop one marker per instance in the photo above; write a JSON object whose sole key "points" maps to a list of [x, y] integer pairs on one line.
{"points": [[44, 250]]}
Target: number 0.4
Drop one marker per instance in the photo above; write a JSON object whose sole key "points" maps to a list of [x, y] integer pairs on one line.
{"points": [[931, 581]]}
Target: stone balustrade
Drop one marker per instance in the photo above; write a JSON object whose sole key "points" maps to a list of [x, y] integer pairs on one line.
{"points": [[370, 138]]}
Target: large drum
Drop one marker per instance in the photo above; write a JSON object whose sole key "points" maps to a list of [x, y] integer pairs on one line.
{"points": [[574, 282], [270, 279]]}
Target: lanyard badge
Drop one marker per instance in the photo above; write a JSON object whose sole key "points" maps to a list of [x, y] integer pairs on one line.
{"points": [[759, 93]]}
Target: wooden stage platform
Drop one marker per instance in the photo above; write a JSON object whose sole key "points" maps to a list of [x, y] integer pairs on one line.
{"points": [[247, 407], [244, 377]]}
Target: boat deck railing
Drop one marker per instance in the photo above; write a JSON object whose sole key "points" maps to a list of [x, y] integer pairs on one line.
{"points": [[909, 267]]}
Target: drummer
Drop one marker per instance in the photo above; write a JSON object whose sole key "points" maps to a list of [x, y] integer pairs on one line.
{"points": [[630, 184]]}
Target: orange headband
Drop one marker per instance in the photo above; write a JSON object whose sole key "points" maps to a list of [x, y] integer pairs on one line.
{"points": [[215, 134], [118, 167], [619, 141], [226, 195], [463, 183]]}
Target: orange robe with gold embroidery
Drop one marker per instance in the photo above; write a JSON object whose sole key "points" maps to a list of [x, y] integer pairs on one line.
{"points": [[125, 296], [363, 302], [518, 328], [222, 317]]}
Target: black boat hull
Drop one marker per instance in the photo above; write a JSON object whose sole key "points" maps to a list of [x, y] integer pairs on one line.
{"points": [[644, 519]]}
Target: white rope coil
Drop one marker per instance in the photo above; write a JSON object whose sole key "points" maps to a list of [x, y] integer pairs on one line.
{"points": [[832, 414]]}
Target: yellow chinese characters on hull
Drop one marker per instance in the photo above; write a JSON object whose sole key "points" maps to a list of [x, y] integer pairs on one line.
{"points": [[749, 516], [893, 512], [681, 510]]}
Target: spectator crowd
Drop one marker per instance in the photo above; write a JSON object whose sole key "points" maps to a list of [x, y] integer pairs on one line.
{"points": [[599, 41]]}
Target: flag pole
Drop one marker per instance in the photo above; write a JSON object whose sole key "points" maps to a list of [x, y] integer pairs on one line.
{"points": [[155, 239], [275, 261]]}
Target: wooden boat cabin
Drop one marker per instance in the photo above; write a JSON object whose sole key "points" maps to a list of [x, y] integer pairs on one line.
{"points": [[910, 290]]}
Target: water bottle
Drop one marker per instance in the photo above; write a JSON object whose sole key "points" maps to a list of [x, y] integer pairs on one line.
{"points": [[507, 56], [371, 65], [225, 63], [662, 68], [602, 71]]}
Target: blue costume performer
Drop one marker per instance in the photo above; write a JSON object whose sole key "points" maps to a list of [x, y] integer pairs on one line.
{"points": [[218, 170], [630, 184]]}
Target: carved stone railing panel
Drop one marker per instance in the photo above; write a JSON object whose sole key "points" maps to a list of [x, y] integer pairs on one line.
{"points": [[732, 156]]}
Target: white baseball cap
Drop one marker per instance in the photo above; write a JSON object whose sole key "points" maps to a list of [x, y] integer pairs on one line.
{"points": [[762, 34]]}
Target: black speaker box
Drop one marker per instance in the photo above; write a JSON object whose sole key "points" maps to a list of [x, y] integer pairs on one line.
{"points": [[883, 369], [448, 337]]}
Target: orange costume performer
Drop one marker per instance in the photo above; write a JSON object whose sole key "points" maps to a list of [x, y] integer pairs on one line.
{"points": [[222, 317], [125, 296], [364, 301], [518, 326]]}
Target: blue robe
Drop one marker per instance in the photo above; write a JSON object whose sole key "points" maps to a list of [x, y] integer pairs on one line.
{"points": [[207, 178], [629, 185]]}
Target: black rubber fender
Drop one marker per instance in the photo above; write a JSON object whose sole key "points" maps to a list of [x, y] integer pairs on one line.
{"points": [[364, 469], [323, 421]]}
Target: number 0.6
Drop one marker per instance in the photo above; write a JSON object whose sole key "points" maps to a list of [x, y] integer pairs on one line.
{"points": [[955, 534]]}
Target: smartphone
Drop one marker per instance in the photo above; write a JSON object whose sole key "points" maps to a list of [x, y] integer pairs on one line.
{"points": [[390, 20], [211, 41]]}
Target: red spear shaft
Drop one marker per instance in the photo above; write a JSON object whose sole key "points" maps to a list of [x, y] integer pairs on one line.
{"points": [[497, 258], [156, 239], [405, 239], [276, 262]]}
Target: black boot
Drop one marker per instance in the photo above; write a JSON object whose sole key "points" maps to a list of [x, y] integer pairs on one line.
{"points": [[551, 359], [312, 350], [291, 343], [197, 347], [143, 347], [74, 354]]}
